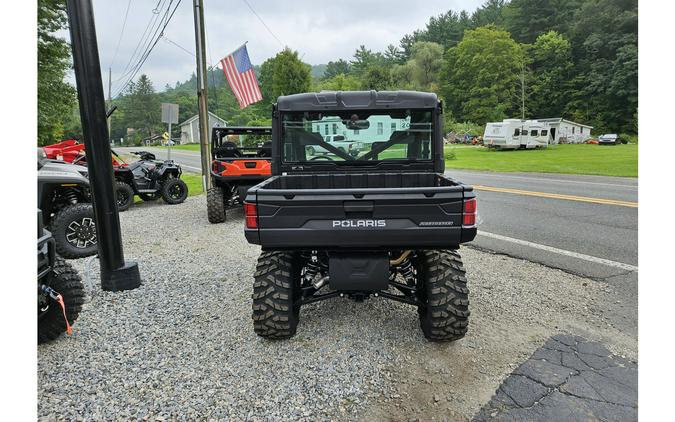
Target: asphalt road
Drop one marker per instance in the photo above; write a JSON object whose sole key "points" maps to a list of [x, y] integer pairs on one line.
{"points": [[586, 225]]}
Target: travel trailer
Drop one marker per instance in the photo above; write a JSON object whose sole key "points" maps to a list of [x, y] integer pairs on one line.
{"points": [[517, 133]]}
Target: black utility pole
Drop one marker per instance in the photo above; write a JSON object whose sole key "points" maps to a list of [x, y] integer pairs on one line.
{"points": [[115, 273]]}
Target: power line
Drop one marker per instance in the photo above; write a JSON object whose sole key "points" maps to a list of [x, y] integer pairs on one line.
{"points": [[165, 38], [147, 39], [151, 22], [124, 25], [264, 24], [129, 76], [149, 50]]}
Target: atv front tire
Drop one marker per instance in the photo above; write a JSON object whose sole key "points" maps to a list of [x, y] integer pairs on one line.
{"points": [[74, 231], [215, 205], [174, 191], [67, 282], [276, 289], [125, 195], [444, 295]]}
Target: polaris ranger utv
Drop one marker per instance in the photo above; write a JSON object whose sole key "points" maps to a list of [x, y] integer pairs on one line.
{"points": [[235, 169], [385, 222]]}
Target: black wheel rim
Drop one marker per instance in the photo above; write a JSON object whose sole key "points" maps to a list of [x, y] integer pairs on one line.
{"points": [[122, 198], [175, 191], [81, 233]]}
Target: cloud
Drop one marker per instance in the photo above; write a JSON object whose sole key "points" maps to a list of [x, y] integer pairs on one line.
{"points": [[319, 30]]}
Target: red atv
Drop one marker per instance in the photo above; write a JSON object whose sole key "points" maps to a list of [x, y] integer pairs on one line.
{"points": [[71, 151], [234, 169]]}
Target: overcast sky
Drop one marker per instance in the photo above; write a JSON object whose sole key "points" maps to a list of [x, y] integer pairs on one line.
{"points": [[319, 30]]}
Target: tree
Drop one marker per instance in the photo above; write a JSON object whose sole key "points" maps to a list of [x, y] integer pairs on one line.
{"points": [[428, 59], [551, 68], [604, 50], [289, 74], [339, 82], [527, 19], [144, 112], [335, 68], [377, 78], [393, 55], [480, 74], [365, 58], [56, 98], [491, 12], [402, 76]]}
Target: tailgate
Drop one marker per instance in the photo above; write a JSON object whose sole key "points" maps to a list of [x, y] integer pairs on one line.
{"points": [[420, 217]]}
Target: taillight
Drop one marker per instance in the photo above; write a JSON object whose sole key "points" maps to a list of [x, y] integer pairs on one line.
{"points": [[469, 212], [251, 213]]}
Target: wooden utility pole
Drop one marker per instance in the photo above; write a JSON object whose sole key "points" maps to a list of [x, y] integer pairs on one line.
{"points": [[202, 94]]}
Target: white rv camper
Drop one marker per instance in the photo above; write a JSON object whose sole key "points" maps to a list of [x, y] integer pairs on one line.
{"points": [[516, 133]]}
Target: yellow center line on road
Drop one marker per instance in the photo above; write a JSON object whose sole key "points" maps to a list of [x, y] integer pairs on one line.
{"points": [[559, 196]]}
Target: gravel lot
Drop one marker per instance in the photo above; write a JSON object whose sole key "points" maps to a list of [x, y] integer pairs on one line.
{"points": [[182, 346]]}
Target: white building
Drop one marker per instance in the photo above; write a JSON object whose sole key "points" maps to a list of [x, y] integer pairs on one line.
{"points": [[380, 128], [567, 132], [189, 129]]}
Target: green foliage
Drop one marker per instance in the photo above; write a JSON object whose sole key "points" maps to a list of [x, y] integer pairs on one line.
{"points": [[479, 75], [528, 19], [377, 78], [289, 74], [339, 82], [56, 98], [338, 67], [365, 58], [551, 71], [427, 58]]}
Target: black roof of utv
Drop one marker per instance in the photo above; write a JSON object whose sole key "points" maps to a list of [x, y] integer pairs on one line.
{"points": [[347, 100]]}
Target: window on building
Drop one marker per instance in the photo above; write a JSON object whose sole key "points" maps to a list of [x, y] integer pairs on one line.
{"points": [[573, 130], [326, 129], [534, 133], [517, 132], [356, 131], [581, 130], [334, 128], [524, 132], [393, 127], [544, 132], [380, 128]]}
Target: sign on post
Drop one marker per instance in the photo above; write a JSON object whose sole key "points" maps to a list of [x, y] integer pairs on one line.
{"points": [[170, 116]]}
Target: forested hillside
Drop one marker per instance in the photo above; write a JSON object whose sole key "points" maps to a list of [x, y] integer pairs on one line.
{"points": [[534, 58]]}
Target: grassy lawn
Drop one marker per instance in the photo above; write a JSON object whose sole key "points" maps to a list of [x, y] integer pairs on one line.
{"points": [[186, 147], [193, 182], [618, 160]]}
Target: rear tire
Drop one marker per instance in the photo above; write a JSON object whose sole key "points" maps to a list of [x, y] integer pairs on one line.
{"points": [[215, 205], [174, 191], [67, 282], [444, 312], [125, 196], [74, 231], [275, 291]]}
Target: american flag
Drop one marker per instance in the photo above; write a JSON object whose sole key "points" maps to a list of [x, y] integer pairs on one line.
{"points": [[241, 77]]}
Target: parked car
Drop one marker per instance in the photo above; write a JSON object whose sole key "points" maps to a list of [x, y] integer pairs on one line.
{"points": [[611, 139], [353, 148]]}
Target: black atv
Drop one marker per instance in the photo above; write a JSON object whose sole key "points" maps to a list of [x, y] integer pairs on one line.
{"points": [[60, 289], [149, 179], [65, 200]]}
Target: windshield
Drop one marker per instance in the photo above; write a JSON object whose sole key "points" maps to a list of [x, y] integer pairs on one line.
{"points": [[357, 137]]}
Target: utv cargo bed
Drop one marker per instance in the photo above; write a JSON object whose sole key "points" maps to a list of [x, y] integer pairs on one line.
{"points": [[359, 210]]}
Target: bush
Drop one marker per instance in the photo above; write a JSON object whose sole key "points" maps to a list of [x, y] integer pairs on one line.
{"points": [[632, 139], [450, 154]]}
